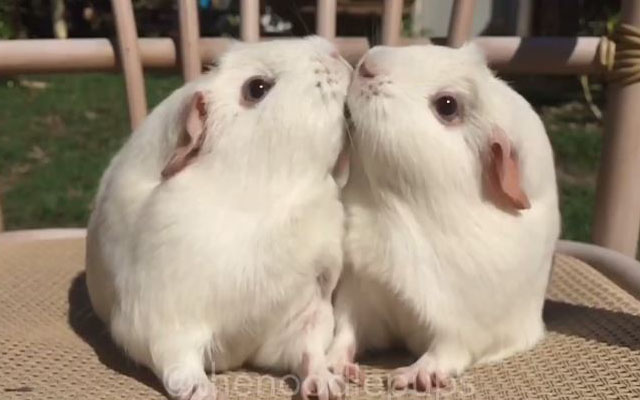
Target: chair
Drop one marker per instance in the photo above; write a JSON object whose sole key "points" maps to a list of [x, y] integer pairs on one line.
{"points": [[52, 346]]}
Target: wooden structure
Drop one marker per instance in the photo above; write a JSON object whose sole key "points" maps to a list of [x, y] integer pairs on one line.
{"points": [[617, 218], [593, 314]]}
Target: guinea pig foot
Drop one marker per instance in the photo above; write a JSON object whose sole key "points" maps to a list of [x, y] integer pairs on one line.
{"points": [[323, 386], [421, 376], [350, 371], [205, 392], [183, 386]]}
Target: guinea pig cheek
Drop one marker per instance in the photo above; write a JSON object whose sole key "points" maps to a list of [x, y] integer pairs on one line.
{"points": [[369, 85], [374, 88], [327, 78]]}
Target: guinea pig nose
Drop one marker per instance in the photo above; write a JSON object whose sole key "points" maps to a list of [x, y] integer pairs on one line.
{"points": [[364, 71], [334, 54]]}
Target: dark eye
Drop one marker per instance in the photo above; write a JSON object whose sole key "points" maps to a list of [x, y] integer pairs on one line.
{"points": [[255, 88], [447, 108]]}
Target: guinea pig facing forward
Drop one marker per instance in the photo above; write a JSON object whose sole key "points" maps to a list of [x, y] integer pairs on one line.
{"points": [[452, 215], [216, 237]]}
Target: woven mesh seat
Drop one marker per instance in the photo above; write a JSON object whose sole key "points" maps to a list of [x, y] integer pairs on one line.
{"points": [[52, 346]]}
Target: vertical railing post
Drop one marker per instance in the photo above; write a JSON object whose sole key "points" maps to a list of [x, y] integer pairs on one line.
{"points": [[130, 59], [617, 217], [189, 37], [461, 22], [1, 218], [523, 18], [250, 20], [392, 22], [326, 18]]}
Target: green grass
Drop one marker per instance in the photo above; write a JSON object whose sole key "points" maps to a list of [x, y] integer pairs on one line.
{"points": [[576, 136], [55, 143]]}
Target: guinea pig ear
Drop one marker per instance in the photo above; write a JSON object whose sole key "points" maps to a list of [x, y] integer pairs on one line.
{"points": [[341, 169], [474, 53], [502, 173], [192, 135]]}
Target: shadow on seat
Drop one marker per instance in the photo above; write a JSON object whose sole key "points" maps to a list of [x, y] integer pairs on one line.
{"points": [[604, 326], [594, 324], [86, 324]]}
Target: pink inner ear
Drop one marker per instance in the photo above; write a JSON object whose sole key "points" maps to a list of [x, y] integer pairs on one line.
{"points": [[191, 137], [506, 173], [196, 116]]}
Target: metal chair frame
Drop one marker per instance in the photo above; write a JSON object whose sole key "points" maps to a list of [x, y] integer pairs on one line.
{"points": [[617, 217]]}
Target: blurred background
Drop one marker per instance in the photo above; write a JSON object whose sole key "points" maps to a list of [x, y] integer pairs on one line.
{"points": [[58, 132]]}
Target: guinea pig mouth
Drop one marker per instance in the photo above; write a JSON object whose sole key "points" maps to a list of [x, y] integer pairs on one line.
{"points": [[347, 112], [348, 121]]}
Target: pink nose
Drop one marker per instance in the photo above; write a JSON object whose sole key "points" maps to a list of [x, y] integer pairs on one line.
{"points": [[364, 71], [334, 54]]}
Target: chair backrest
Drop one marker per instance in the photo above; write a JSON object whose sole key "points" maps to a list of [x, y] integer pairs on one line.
{"points": [[617, 218], [190, 52]]}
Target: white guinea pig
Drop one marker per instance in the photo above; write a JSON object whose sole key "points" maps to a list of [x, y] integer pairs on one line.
{"points": [[452, 215], [216, 236]]}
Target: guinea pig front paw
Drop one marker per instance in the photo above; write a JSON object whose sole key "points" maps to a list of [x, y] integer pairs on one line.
{"points": [[204, 392], [350, 371], [323, 385], [183, 385], [423, 375]]}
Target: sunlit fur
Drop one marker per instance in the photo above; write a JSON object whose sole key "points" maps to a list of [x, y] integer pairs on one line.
{"points": [[233, 259], [431, 263]]}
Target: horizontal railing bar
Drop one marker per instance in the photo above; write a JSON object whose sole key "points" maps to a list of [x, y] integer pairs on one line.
{"points": [[538, 55], [542, 55]]}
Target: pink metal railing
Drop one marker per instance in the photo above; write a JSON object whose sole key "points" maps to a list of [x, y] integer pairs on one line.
{"points": [[249, 20], [617, 219], [536, 55], [326, 18], [618, 191], [130, 59], [392, 22], [461, 21], [189, 36]]}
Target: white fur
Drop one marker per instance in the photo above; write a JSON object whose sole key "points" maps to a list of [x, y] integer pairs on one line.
{"points": [[431, 263], [233, 259]]}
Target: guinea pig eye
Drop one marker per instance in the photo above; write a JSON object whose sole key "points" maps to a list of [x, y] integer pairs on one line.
{"points": [[447, 108], [255, 88]]}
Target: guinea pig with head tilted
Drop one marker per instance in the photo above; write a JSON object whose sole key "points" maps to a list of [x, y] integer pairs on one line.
{"points": [[216, 239], [452, 215]]}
